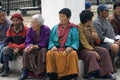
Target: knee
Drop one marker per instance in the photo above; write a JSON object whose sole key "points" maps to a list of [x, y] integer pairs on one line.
{"points": [[5, 51], [115, 47]]}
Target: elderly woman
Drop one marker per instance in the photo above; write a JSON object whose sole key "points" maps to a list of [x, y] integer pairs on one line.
{"points": [[15, 38], [97, 59], [62, 59], [36, 47]]}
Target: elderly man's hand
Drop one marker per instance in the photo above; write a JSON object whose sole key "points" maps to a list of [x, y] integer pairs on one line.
{"points": [[16, 51]]}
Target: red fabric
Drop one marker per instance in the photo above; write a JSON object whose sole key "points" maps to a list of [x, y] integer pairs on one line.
{"points": [[63, 34], [35, 76], [17, 15], [11, 33]]}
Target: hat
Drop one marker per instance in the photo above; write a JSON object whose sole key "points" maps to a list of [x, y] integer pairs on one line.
{"points": [[102, 7], [87, 5], [17, 15]]}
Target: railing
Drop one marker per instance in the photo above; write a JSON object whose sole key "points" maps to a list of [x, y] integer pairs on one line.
{"points": [[16, 4], [101, 1]]}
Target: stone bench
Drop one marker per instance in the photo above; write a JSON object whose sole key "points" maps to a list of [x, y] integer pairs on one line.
{"points": [[25, 9], [16, 66]]}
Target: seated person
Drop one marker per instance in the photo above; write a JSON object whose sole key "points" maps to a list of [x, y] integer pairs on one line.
{"points": [[4, 24], [62, 59], [106, 33], [36, 46], [97, 59], [15, 38]]}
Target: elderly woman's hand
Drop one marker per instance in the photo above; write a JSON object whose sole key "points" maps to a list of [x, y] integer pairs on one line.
{"points": [[28, 49], [16, 51]]}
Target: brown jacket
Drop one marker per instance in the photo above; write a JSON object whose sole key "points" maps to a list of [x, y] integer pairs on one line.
{"points": [[83, 37]]}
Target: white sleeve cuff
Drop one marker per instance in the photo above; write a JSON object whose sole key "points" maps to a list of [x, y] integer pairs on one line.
{"points": [[108, 40], [118, 37]]}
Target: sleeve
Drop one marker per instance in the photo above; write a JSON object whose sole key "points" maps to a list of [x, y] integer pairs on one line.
{"points": [[100, 33], [75, 39], [28, 38], [84, 41], [51, 39], [8, 37], [113, 23], [13, 45], [44, 42]]}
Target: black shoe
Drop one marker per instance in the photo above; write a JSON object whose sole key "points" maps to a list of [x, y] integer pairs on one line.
{"points": [[6, 72], [1, 69], [22, 77]]}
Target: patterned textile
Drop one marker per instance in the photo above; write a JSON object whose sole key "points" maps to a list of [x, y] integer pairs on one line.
{"points": [[35, 61], [59, 62]]}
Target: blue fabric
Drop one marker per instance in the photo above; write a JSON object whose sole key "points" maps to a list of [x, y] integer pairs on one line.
{"points": [[1, 54], [25, 72]]}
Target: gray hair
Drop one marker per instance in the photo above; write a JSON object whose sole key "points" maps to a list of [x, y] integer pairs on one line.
{"points": [[39, 18]]}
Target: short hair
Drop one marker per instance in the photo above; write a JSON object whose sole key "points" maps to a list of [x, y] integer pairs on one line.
{"points": [[116, 4], [39, 18], [65, 11], [85, 15]]}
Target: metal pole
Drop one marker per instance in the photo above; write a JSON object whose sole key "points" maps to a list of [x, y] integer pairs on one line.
{"points": [[8, 10], [97, 2], [33, 3]]}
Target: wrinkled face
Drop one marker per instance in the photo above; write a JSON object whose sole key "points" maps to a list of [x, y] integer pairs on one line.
{"points": [[35, 24], [117, 10], [16, 21], [2, 17], [63, 19], [104, 13]]}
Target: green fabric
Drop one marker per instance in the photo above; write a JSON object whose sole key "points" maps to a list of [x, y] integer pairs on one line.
{"points": [[72, 40]]}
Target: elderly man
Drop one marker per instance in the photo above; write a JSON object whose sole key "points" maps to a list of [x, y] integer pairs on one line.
{"points": [[106, 32], [15, 38], [4, 24]]}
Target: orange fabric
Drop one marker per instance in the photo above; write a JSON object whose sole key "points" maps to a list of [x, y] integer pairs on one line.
{"points": [[61, 63]]}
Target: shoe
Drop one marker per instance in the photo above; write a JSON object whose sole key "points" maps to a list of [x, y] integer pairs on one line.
{"points": [[22, 77], [6, 72], [24, 74], [111, 76], [91, 78], [1, 69]]}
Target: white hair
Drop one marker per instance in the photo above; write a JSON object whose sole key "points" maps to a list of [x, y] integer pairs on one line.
{"points": [[39, 18]]}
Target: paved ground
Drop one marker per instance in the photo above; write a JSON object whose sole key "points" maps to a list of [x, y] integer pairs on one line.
{"points": [[15, 76]]}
